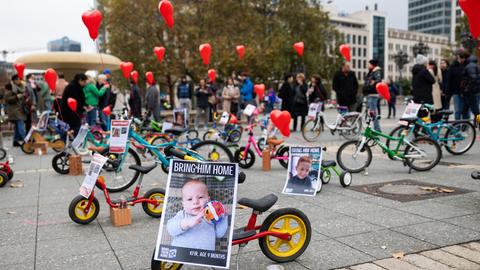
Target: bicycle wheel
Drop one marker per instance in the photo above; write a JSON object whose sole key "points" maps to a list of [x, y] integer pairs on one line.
{"points": [[325, 175], [345, 179], [234, 136], [58, 145], [352, 159], [161, 265], [77, 213], [211, 134], [355, 127], [60, 163], [3, 178], [460, 137], [158, 140], [243, 161], [3, 154], [27, 148], [286, 220], [213, 151], [157, 194], [192, 134], [118, 176], [424, 155], [311, 130], [261, 143], [283, 152]]}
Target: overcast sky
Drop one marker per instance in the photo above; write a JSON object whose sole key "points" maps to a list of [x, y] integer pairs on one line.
{"points": [[29, 24]]}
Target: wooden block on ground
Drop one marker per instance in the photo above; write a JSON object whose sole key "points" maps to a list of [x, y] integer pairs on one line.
{"points": [[40, 148], [120, 216], [266, 166], [75, 165]]}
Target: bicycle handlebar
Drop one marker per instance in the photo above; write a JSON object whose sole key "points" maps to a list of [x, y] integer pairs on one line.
{"points": [[171, 151]]}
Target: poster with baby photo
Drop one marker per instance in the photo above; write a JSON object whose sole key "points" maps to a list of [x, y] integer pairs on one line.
{"points": [[303, 175], [180, 118], [198, 214]]}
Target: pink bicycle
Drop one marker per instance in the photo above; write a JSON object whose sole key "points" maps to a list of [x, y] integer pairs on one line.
{"points": [[245, 157]]}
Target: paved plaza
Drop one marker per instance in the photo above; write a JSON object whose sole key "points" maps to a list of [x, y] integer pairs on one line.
{"points": [[351, 229]]}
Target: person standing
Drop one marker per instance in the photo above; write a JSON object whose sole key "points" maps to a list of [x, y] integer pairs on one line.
{"points": [[15, 98], [443, 84], [59, 88], [30, 102], [134, 100], [300, 102], [393, 90], [374, 76], [454, 79], [92, 95], [246, 91], [152, 101], [202, 93], [286, 92], [471, 86], [422, 81], [184, 94], [345, 85], [230, 95], [74, 90], [436, 91]]}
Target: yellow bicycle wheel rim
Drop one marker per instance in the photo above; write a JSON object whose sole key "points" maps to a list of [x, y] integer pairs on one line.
{"points": [[2, 179], [80, 210], [28, 146], [214, 156], [159, 197], [298, 236], [170, 266]]}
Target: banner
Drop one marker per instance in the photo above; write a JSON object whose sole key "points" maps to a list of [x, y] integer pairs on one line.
{"points": [[304, 166]]}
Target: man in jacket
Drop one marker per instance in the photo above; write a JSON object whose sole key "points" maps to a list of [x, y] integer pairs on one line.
{"points": [[184, 94], [471, 86], [30, 101], [153, 101], [345, 85], [422, 81], [454, 79], [15, 97], [374, 76]]}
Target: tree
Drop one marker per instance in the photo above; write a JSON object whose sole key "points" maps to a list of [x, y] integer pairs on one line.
{"points": [[267, 28]]}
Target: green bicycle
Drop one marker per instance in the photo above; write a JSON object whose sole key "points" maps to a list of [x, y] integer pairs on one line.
{"points": [[420, 154]]}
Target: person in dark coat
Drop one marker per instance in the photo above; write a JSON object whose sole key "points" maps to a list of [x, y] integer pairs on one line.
{"points": [[345, 85], [444, 64], [471, 86], [300, 102], [202, 93], [316, 92], [135, 101], [393, 89], [454, 79], [286, 92], [422, 81], [74, 90], [15, 100]]}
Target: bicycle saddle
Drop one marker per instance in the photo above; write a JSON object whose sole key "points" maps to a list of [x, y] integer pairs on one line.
{"points": [[262, 204], [142, 169], [274, 141], [176, 131], [409, 119], [328, 163]]}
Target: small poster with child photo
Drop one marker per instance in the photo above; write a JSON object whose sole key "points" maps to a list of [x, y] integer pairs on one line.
{"points": [[180, 118], [198, 214], [303, 171]]}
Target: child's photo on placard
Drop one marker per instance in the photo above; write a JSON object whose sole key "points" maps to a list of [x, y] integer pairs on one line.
{"points": [[180, 118], [303, 171], [197, 222]]}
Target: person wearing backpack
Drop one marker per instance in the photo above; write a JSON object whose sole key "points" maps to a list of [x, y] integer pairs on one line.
{"points": [[470, 88]]}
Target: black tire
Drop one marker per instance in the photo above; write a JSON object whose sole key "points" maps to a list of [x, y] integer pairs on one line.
{"points": [[325, 176], [341, 156], [320, 186], [60, 163], [3, 154], [161, 265], [283, 151], [261, 143], [451, 146], [208, 135], [345, 179], [246, 162], [80, 200], [10, 175], [110, 170], [155, 193], [355, 131], [292, 213], [396, 132], [58, 145], [310, 130], [27, 148], [3, 178], [475, 175], [437, 155], [210, 149], [192, 134], [234, 136]]}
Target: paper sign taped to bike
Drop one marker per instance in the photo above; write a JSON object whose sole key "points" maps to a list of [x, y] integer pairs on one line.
{"points": [[303, 177], [92, 174], [224, 119], [410, 111], [119, 135], [198, 214], [180, 117], [82, 133], [249, 109], [313, 109]]}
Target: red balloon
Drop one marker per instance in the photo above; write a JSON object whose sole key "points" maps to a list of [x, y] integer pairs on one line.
{"points": [[299, 46], [107, 111], [281, 119], [212, 74], [166, 9], [92, 20], [259, 90], [233, 119], [20, 67], [51, 79], [159, 52], [134, 75], [471, 8], [382, 90], [241, 51], [127, 68], [72, 104], [345, 51], [205, 52], [150, 77]]}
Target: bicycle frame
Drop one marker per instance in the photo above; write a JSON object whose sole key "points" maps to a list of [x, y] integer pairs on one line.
{"points": [[252, 225], [428, 127], [251, 140]]}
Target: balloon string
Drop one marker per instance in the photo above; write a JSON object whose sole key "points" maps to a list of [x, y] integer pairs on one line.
{"points": [[98, 51], [59, 109]]}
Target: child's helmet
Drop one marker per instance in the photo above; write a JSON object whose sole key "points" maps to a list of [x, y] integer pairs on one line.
{"points": [[213, 212]]}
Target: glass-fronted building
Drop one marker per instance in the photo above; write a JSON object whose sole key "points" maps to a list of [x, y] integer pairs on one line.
{"points": [[64, 45]]}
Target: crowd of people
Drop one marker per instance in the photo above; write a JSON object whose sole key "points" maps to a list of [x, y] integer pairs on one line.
{"points": [[431, 83]]}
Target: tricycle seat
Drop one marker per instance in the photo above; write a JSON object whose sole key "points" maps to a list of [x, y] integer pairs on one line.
{"points": [[142, 169], [262, 204], [329, 163]]}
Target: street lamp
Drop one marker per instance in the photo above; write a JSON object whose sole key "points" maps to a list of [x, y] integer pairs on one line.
{"points": [[420, 48], [401, 59]]}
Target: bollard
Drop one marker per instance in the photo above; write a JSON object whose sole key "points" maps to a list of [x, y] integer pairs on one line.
{"points": [[266, 166]]}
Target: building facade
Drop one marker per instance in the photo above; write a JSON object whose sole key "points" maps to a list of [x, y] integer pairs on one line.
{"points": [[64, 45]]}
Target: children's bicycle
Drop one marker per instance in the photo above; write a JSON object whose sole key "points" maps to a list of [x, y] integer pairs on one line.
{"points": [[6, 173], [420, 154], [328, 166], [283, 236], [232, 133], [84, 210], [47, 130], [245, 157]]}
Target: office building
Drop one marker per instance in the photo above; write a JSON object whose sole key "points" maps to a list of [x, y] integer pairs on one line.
{"points": [[64, 45]]}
